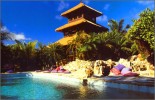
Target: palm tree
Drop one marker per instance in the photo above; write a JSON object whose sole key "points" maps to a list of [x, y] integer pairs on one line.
{"points": [[41, 56], [6, 55], [6, 52], [105, 45], [56, 51], [5, 34], [76, 45], [30, 52], [49, 55], [88, 48], [121, 44], [118, 26], [24, 54]]}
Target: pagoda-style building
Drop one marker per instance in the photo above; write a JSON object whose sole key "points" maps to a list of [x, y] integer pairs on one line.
{"points": [[81, 18]]}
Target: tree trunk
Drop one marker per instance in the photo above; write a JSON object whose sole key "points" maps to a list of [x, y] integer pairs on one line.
{"points": [[143, 48]]}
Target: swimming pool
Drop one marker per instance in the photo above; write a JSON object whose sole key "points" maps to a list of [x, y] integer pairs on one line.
{"points": [[22, 86]]}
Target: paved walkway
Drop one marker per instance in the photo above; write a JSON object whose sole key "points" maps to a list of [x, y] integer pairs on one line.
{"points": [[141, 81]]}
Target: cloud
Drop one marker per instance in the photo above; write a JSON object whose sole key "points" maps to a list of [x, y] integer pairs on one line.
{"points": [[18, 36], [58, 17], [14, 36], [62, 5], [134, 13], [149, 4], [106, 7], [102, 19], [4, 29], [145, 2]]}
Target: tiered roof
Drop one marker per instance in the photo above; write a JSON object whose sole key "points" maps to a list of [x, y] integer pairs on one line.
{"points": [[78, 22], [79, 7], [66, 40]]}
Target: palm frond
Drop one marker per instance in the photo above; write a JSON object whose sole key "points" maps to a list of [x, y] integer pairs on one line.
{"points": [[120, 25]]}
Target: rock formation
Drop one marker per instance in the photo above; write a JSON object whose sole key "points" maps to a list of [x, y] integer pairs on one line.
{"points": [[85, 69]]}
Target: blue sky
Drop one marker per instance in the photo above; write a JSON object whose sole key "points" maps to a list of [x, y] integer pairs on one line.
{"points": [[37, 20]]}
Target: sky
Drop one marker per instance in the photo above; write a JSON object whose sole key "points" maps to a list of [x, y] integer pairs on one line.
{"points": [[30, 20]]}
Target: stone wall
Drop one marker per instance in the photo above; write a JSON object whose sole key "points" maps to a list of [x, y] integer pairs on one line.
{"points": [[84, 69]]}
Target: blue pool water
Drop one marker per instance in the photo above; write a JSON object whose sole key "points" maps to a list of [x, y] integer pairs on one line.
{"points": [[18, 88]]}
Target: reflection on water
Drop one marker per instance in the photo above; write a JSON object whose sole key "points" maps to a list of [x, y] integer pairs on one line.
{"points": [[29, 88], [11, 82], [83, 91]]}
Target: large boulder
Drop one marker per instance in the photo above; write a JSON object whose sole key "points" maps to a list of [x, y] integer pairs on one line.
{"points": [[142, 66], [102, 68], [110, 63], [98, 68], [80, 68]]}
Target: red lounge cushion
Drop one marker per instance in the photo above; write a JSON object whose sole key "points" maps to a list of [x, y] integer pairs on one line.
{"points": [[57, 69], [131, 74], [63, 71], [54, 71], [115, 71]]}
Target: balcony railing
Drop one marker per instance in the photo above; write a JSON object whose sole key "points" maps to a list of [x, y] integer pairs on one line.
{"points": [[75, 19]]}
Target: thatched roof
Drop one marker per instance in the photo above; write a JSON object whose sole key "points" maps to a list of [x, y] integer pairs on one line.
{"points": [[81, 5], [65, 40]]}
